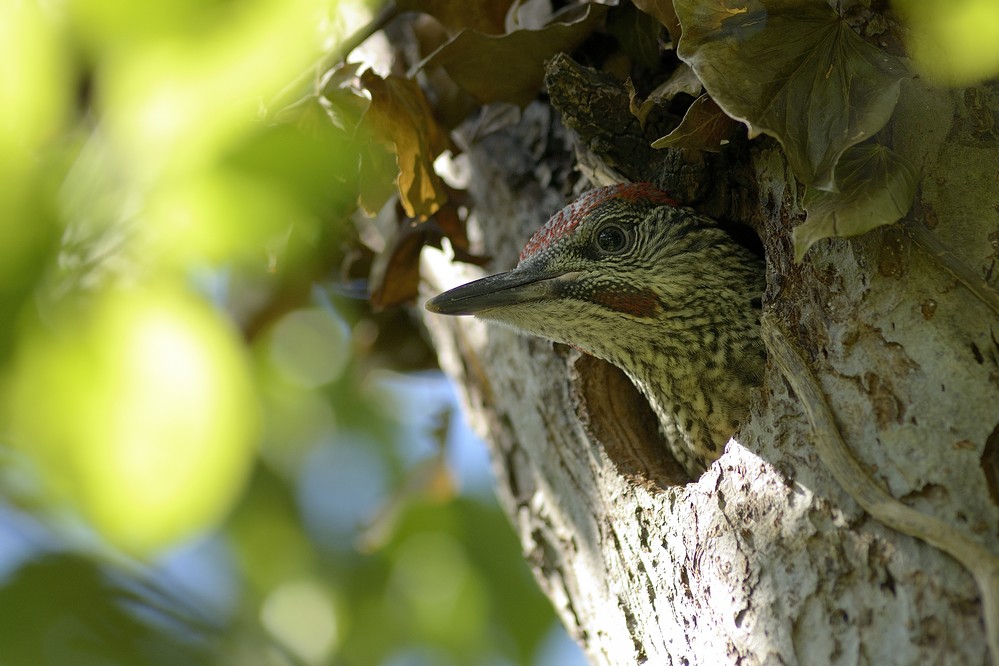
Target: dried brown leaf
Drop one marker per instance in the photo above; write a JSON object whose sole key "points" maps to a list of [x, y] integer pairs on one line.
{"points": [[682, 80], [447, 222], [528, 15], [379, 172], [486, 16], [400, 274], [397, 279], [400, 114], [638, 108], [511, 67], [704, 127]]}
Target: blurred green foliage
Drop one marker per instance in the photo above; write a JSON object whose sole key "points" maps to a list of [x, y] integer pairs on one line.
{"points": [[200, 460], [952, 43]]}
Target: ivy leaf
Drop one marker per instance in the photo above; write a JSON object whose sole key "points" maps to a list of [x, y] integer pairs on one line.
{"points": [[704, 127], [876, 188], [792, 69], [511, 67], [400, 114]]}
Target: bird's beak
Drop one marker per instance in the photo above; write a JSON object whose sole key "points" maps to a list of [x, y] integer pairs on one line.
{"points": [[495, 291]]}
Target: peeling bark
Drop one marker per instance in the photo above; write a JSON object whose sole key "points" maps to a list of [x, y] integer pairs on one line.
{"points": [[765, 558]]}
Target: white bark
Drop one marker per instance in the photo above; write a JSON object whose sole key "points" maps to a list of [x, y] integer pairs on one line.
{"points": [[764, 559]]}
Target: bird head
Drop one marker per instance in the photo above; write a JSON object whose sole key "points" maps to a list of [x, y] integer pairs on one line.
{"points": [[616, 257], [660, 291]]}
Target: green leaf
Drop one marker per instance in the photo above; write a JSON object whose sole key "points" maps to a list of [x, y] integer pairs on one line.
{"points": [[876, 188], [511, 67], [792, 69], [704, 127], [68, 609]]}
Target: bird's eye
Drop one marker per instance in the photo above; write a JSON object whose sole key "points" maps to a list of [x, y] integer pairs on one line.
{"points": [[612, 239]]}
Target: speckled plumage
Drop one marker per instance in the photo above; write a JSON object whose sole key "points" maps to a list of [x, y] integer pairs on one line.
{"points": [[659, 291]]}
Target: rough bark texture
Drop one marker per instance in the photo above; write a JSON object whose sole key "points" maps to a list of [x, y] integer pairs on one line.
{"points": [[764, 559]]}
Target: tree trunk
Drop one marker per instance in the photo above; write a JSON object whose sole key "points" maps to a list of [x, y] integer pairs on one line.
{"points": [[765, 558]]}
